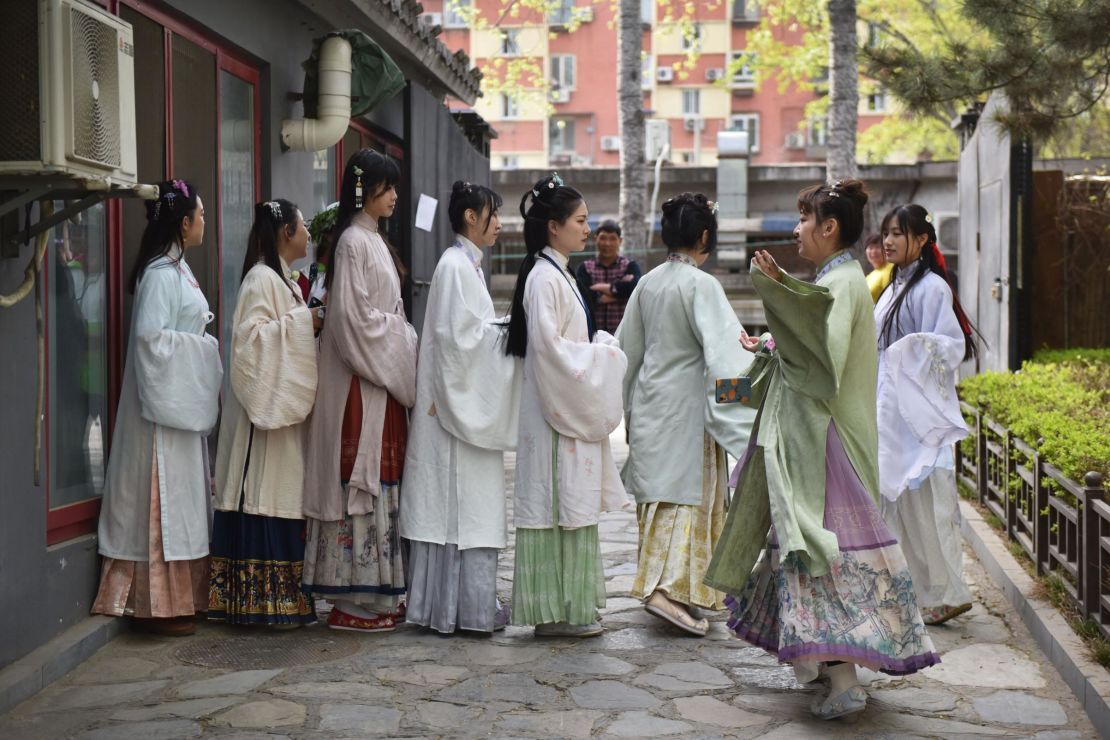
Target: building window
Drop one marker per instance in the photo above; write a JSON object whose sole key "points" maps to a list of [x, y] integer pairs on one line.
{"points": [[876, 101], [744, 10], [743, 68], [647, 71], [688, 158], [874, 35], [510, 42], [510, 162], [647, 11], [509, 106], [691, 102], [454, 15], [747, 122], [562, 72], [561, 134], [691, 40], [560, 12], [817, 132]]}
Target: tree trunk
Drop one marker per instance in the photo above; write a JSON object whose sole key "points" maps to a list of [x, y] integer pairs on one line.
{"points": [[840, 161], [633, 193]]}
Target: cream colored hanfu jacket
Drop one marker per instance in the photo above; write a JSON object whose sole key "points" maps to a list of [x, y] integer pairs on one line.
{"points": [[260, 458], [467, 407], [570, 402], [670, 386], [367, 335], [919, 412], [168, 403]]}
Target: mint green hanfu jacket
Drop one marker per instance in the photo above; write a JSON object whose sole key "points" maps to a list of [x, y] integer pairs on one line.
{"points": [[823, 367]]}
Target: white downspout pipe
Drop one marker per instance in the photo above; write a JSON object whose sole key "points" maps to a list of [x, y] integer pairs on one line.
{"points": [[334, 109]]}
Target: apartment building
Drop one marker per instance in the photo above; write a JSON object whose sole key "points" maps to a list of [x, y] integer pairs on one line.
{"points": [[574, 120]]}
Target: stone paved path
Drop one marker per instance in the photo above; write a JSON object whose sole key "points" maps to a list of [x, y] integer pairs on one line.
{"points": [[641, 679]]}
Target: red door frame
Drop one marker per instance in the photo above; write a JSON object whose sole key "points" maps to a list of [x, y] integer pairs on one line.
{"points": [[73, 520]]}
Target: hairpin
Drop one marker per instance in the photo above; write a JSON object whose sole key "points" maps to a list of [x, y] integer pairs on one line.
{"points": [[714, 206], [358, 186], [466, 187], [157, 208], [180, 185], [275, 209], [555, 180], [928, 218]]}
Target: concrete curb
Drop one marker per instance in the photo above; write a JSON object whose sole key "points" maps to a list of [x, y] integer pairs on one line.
{"points": [[1088, 680], [32, 673]]}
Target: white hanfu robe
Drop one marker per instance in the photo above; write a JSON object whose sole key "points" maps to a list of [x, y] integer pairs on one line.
{"points": [[467, 406], [571, 397], [919, 420], [273, 388], [168, 403]]}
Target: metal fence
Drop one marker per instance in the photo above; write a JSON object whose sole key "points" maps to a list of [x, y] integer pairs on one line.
{"points": [[1063, 527]]}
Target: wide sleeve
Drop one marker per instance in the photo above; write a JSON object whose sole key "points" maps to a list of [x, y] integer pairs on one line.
{"points": [[379, 346], [578, 381], [923, 368], [273, 367], [475, 386], [718, 332], [178, 374], [802, 318], [630, 335]]}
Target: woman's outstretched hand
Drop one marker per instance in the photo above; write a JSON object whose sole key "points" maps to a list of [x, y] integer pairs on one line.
{"points": [[766, 263], [749, 343]]}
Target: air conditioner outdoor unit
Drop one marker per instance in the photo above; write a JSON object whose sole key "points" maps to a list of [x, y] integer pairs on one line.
{"points": [[560, 96], [690, 122], [75, 87], [657, 138], [432, 19], [795, 140], [664, 74], [610, 143], [714, 73]]}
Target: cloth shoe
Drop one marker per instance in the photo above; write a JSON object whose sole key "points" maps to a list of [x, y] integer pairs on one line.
{"points": [[502, 617], [662, 607], [562, 629], [339, 620], [847, 702]]}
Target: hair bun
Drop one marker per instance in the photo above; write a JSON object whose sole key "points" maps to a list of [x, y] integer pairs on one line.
{"points": [[854, 189]]}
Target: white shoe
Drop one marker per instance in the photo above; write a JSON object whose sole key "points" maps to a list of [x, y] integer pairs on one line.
{"points": [[563, 629]]}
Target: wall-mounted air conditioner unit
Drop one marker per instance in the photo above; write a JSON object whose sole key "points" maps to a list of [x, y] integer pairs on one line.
{"points": [[432, 19], [664, 74], [714, 73], [75, 87], [796, 140], [692, 122], [610, 143], [657, 138], [560, 96]]}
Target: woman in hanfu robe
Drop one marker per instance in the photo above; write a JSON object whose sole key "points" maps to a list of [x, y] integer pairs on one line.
{"points": [[832, 586], [570, 402], [467, 405], [258, 529], [923, 337], [153, 530], [679, 334], [359, 425]]}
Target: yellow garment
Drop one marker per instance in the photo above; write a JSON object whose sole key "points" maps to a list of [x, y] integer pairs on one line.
{"points": [[878, 279], [677, 540]]}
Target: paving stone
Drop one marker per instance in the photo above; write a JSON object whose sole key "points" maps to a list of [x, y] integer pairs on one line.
{"points": [[444, 716], [779, 677], [239, 682], [612, 695], [620, 604], [642, 724], [512, 687], [268, 713], [710, 711], [634, 638], [689, 676], [578, 723], [188, 709], [1058, 735], [590, 664], [988, 665], [739, 656], [115, 670], [363, 718], [780, 704], [430, 674], [619, 585], [915, 699], [81, 697], [1019, 708], [335, 691], [486, 654], [170, 730], [932, 726], [624, 569]]}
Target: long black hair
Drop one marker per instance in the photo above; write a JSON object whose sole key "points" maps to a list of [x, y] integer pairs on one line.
{"points": [[844, 201], [376, 172], [269, 217], [176, 201], [466, 196], [685, 218], [912, 221], [551, 201]]}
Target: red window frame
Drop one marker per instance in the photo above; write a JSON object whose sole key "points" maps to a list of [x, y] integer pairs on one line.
{"points": [[80, 518]]}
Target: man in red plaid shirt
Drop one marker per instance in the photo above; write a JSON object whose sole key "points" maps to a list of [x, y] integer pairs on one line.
{"points": [[609, 280]]}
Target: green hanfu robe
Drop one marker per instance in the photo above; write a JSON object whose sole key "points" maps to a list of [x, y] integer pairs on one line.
{"points": [[800, 386]]}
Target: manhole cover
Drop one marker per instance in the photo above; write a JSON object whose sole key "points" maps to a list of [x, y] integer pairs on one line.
{"points": [[252, 648]]}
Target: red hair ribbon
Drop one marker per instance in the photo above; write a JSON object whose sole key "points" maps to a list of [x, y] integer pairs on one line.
{"points": [[965, 325]]}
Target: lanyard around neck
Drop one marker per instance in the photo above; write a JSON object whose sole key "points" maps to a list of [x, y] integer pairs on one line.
{"points": [[590, 329]]}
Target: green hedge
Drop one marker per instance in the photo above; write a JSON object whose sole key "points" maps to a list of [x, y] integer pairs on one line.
{"points": [[1061, 397]]}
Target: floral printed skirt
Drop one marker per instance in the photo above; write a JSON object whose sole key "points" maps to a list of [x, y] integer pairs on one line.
{"points": [[256, 570], [677, 540], [864, 611]]}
